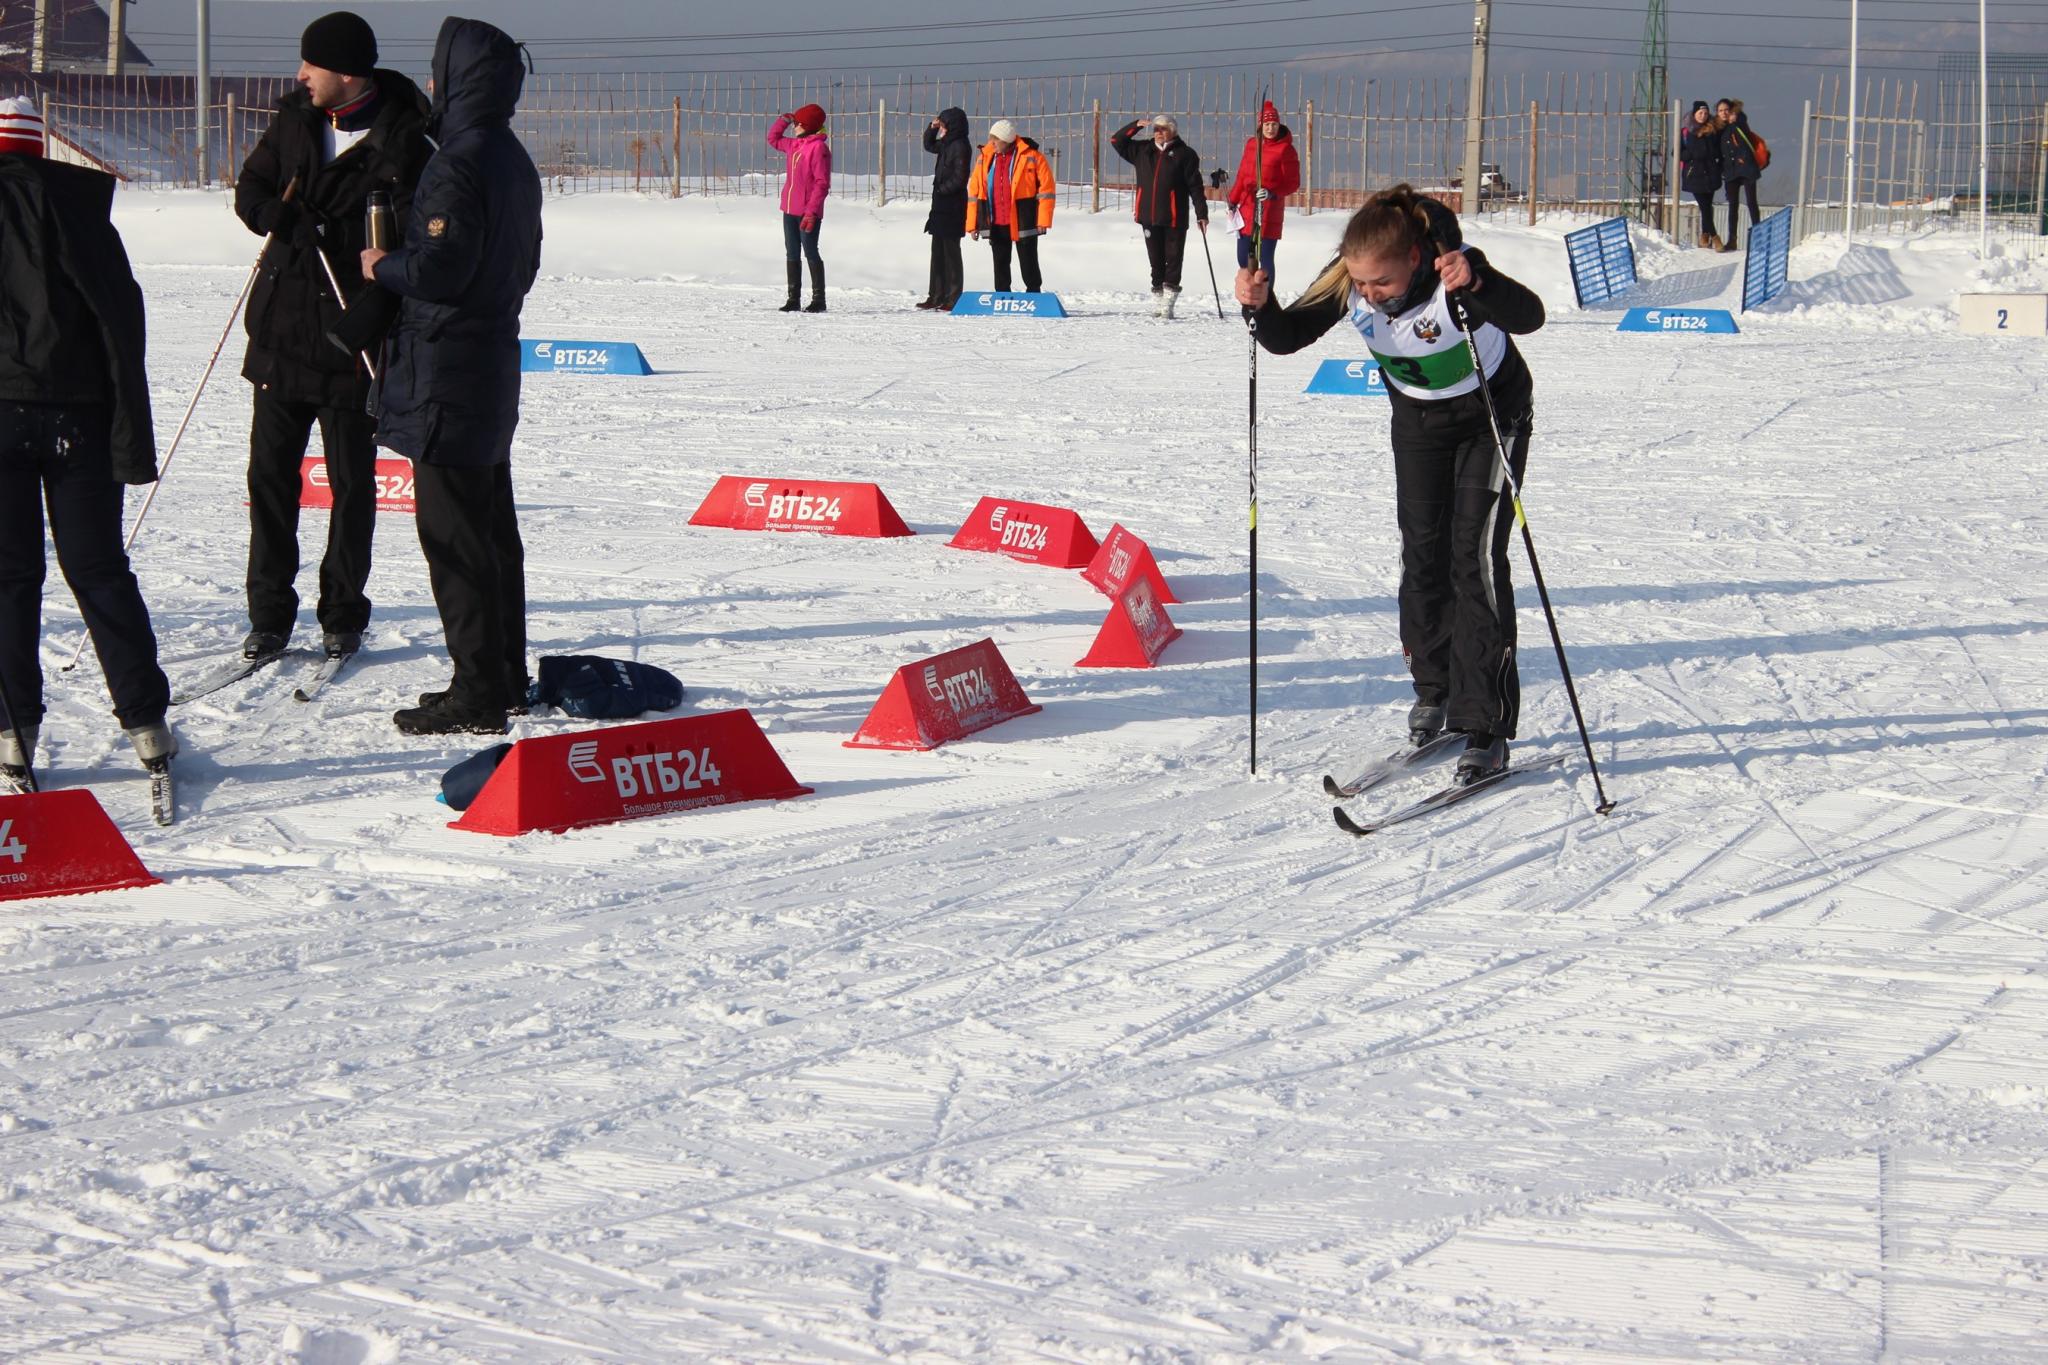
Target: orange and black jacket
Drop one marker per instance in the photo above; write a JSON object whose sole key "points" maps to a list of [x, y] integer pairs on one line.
{"points": [[1169, 181], [1032, 191]]}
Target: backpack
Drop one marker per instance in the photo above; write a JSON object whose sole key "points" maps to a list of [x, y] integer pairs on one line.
{"points": [[1758, 148]]}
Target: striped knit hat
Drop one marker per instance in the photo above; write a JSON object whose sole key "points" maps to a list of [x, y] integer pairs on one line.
{"points": [[21, 127]]}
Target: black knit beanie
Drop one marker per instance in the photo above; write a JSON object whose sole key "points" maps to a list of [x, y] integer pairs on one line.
{"points": [[341, 42]]}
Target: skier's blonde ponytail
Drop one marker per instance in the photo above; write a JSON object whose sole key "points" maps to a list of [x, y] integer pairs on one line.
{"points": [[1389, 223]]}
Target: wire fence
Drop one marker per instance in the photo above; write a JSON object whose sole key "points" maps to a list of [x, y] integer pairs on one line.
{"points": [[1562, 143]]}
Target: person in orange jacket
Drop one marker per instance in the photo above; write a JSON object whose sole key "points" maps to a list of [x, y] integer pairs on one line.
{"points": [[1019, 217], [1268, 172]]}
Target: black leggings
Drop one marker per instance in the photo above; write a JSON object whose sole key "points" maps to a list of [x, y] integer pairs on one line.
{"points": [[1705, 199], [1748, 185]]}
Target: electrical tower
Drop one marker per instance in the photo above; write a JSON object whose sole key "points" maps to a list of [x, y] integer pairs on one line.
{"points": [[1644, 167]]}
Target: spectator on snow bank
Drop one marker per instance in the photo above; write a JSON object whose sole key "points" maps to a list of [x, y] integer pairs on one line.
{"points": [[1699, 162], [946, 139], [805, 184], [1169, 187], [1268, 172], [74, 427], [1740, 163], [1010, 196]]}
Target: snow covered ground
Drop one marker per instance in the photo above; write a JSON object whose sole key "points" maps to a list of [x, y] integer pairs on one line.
{"points": [[1071, 1041]]}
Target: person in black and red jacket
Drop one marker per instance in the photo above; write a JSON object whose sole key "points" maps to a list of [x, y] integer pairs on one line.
{"points": [[1169, 192], [1739, 163]]}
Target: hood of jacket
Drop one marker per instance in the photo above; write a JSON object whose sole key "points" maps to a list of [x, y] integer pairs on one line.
{"points": [[954, 121], [79, 186], [478, 73]]}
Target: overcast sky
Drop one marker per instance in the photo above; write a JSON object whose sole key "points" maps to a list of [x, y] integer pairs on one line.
{"points": [[1770, 51]]}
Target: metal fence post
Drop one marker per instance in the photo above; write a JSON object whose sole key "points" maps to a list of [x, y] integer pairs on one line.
{"points": [[675, 185], [881, 152], [1095, 204], [1308, 166], [234, 163], [1803, 184], [1671, 176], [1534, 164]]}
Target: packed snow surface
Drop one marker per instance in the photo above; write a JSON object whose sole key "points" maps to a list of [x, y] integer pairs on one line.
{"points": [[1074, 1041]]}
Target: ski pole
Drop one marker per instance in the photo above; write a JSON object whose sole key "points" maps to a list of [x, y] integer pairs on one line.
{"points": [[1461, 313], [1212, 274], [341, 302], [1251, 324], [171, 454], [28, 760]]}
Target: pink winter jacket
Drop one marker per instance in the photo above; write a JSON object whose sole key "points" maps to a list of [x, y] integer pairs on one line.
{"points": [[809, 178]]}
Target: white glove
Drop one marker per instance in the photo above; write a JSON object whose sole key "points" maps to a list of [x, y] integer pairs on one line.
{"points": [[1263, 195]]}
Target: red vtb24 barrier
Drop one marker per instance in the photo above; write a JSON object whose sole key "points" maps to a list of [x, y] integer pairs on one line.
{"points": [[629, 772], [945, 697], [394, 484], [837, 509], [1027, 531], [1134, 633], [62, 844], [1122, 560]]}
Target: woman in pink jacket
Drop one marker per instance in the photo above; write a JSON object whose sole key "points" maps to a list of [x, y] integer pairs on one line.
{"points": [[804, 187]]}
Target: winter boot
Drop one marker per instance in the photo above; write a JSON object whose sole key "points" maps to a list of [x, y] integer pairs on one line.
{"points": [[1425, 722], [261, 644], [17, 758], [1484, 756], [154, 743], [1172, 298], [1711, 241], [817, 288], [452, 714], [1729, 244], [796, 288], [1158, 300], [337, 643]]}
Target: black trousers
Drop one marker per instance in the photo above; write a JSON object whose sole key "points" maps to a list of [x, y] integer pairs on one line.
{"points": [[948, 274], [476, 565], [1164, 247], [1745, 185], [277, 443], [1705, 199], [57, 457], [1457, 601], [1027, 259]]}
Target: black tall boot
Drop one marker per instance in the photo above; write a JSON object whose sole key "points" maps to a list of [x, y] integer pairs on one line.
{"points": [[955, 277], [817, 287], [796, 288]]}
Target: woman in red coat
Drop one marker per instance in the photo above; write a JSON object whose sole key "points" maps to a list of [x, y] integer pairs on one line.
{"points": [[1264, 189]]}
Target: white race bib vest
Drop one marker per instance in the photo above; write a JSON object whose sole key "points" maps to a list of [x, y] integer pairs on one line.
{"points": [[1422, 353]]}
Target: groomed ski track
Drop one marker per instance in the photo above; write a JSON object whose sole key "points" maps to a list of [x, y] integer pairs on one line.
{"points": [[1071, 1041]]}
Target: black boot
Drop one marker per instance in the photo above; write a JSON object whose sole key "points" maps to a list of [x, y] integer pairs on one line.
{"points": [[796, 288], [1485, 756], [817, 287], [955, 278], [1425, 722]]}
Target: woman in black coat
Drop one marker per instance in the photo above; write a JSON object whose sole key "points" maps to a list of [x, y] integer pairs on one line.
{"points": [[946, 138], [1699, 158], [1738, 162]]}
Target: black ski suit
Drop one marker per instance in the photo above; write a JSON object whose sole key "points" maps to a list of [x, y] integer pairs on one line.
{"points": [[1170, 191], [947, 221], [1455, 514]]}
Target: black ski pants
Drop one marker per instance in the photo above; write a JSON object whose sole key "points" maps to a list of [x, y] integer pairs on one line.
{"points": [[56, 457], [948, 274], [1457, 601], [1705, 199], [277, 445], [1165, 247], [476, 564], [1027, 259]]}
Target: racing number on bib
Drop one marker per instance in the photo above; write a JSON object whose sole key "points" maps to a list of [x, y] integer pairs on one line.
{"points": [[1406, 369]]}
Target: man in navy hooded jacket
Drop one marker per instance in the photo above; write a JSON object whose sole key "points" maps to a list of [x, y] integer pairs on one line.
{"points": [[448, 390]]}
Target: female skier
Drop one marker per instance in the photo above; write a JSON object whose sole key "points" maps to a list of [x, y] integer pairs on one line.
{"points": [[1402, 255]]}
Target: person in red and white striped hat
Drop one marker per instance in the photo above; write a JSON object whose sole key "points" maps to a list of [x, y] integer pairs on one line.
{"points": [[21, 127]]}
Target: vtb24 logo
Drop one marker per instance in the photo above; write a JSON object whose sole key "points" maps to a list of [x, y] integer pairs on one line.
{"points": [[966, 692], [685, 770], [1017, 535], [792, 506]]}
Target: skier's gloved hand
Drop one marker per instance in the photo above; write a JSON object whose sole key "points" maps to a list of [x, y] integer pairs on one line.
{"points": [[306, 231], [1263, 195], [278, 216]]}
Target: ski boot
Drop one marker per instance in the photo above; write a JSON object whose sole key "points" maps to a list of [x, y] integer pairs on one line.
{"points": [[18, 760], [261, 644], [156, 746], [1485, 756], [1425, 722], [339, 644], [1172, 298]]}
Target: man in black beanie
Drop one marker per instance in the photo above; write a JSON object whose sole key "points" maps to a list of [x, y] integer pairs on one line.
{"points": [[347, 129]]}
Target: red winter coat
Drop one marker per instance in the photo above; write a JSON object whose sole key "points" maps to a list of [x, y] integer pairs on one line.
{"points": [[1282, 177]]}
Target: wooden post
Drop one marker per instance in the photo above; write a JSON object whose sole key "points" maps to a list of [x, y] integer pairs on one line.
{"points": [[234, 165], [1308, 164], [881, 152], [1671, 170], [117, 37], [1095, 204], [675, 188], [1802, 193], [1534, 163]]}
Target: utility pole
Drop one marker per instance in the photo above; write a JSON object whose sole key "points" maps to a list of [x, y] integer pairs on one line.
{"points": [[201, 92], [1475, 108], [39, 43], [117, 37], [1645, 166]]}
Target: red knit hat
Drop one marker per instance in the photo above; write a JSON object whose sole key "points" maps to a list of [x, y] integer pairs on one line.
{"points": [[21, 127], [1268, 114], [810, 116]]}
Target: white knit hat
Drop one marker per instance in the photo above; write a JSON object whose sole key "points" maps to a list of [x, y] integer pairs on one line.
{"points": [[21, 126], [1002, 130], [1165, 121]]}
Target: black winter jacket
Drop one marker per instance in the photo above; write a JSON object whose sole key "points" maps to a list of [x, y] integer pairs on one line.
{"points": [[1738, 153], [948, 217], [71, 324], [1699, 156], [1169, 181], [448, 390], [291, 307], [1506, 303]]}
